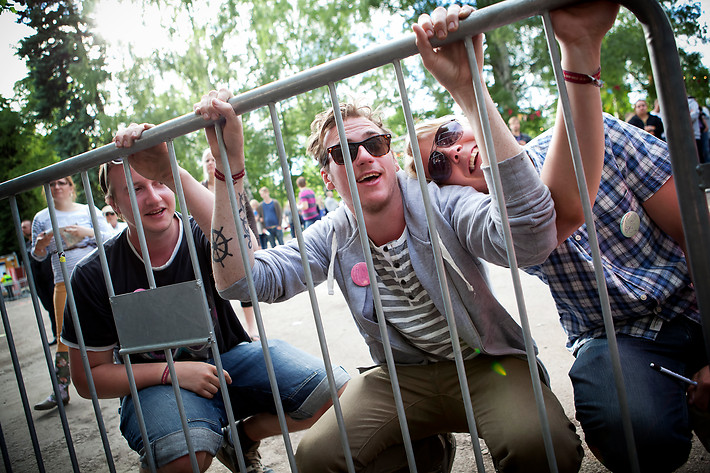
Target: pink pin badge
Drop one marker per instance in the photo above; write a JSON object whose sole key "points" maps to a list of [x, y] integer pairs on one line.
{"points": [[359, 275]]}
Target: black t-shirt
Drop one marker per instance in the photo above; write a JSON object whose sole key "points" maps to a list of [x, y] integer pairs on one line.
{"points": [[652, 120], [128, 274]]}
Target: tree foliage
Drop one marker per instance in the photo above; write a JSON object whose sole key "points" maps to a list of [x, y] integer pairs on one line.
{"points": [[66, 73], [520, 77], [63, 94], [23, 151], [244, 44]]}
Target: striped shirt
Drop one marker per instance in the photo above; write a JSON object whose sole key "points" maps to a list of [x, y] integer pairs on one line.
{"points": [[646, 273], [407, 306], [309, 197]]}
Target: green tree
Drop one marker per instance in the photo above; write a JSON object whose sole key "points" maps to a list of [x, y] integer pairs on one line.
{"points": [[66, 72], [243, 46], [517, 55], [23, 151], [63, 93]]}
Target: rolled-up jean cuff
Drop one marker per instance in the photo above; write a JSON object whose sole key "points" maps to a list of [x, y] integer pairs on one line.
{"points": [[320, 395], [173, 446]]}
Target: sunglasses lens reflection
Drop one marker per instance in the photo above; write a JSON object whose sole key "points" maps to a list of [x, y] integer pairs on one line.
{"points": [[448, 134], [439, 167]]}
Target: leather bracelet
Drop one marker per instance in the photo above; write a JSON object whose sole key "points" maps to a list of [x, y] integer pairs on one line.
{"points": [[166, 372], [235, 177], [577, 78]]}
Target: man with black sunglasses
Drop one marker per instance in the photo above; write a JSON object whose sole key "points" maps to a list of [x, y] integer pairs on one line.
{"points": [[468, 224]]}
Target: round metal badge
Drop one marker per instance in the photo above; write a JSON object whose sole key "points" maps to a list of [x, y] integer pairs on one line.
{"points": [[359, 274], [630, 224]]}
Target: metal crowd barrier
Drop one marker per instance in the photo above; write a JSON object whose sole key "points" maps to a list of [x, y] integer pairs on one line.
{"points": [[691, 182]]}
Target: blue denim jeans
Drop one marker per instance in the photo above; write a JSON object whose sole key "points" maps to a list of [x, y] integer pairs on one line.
{"points": [[275, 235], [308, 223], [657, 403], [303, 388]]}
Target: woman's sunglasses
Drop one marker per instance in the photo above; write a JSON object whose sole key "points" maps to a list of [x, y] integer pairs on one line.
{"points": [[377, 146], [439, 165]]}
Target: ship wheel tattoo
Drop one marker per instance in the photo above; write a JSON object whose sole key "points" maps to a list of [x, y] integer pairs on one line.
{"points": [[220, 246]]}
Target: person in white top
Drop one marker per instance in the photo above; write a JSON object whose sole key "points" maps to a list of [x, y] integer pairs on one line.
{"points": [[77, 233], [115, 226]]}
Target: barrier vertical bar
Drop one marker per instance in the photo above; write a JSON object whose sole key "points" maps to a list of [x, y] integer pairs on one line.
{"points": [[663, 54], [198, 276], [512, 260], [311, 291], [139, 414], [593, 245], [181, 409], [80, 338], [67, 283], [5, 453], [139, 224], [436, 248], [252, 294], [364, 242], [10, 340]]}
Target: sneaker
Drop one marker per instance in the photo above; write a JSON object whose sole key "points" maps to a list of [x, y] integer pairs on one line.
{"points": [[51, 401], [227, 454]]}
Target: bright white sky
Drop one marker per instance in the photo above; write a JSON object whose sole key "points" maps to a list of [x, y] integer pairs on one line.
{"points": [[112, 20]]}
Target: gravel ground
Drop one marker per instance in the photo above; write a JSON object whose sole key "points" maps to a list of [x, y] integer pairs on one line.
{"points": [[291, 321]]}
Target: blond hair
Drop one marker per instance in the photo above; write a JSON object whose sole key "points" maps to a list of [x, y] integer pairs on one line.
{"points": [[71, 184], [325, 121], [103, 178], [424, 128]]}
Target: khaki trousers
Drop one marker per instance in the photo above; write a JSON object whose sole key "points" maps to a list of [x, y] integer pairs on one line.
{"points": [[504, 410]]}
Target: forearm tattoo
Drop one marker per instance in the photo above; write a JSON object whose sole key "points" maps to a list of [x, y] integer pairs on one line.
{"points": [[220, 246], [220, 243], [247, 218]]}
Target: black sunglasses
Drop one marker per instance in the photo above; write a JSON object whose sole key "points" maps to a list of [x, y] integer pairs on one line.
{"points": [[439, 165], [109, 213], [378, 145]]}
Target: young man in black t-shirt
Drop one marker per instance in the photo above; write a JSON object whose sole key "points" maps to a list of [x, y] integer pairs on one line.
{"points": [[302, 386]]}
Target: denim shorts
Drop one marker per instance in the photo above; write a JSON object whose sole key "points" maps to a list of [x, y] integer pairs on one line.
{"points": [[303, 389]]}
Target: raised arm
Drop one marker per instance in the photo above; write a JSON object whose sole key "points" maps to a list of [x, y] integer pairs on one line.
{"points": [[449, 65], [226, 259], [579, 30], [154, 163]]}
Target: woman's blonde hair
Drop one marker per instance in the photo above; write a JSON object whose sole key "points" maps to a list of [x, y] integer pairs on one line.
{"points": [[422, 128], [71, 184]]}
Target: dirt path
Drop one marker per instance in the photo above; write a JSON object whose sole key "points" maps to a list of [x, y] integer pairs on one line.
{"points": [[291, 321]]}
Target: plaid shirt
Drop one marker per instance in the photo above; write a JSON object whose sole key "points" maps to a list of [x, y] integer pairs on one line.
{"points": [[646, 274]]}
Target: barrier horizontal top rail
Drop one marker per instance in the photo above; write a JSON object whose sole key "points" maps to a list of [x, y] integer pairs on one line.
{"points": [[486, 19]]}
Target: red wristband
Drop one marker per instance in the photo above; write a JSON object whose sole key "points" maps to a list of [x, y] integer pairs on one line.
{"points": [[166, 372], [577, 78], [235, 177]]}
